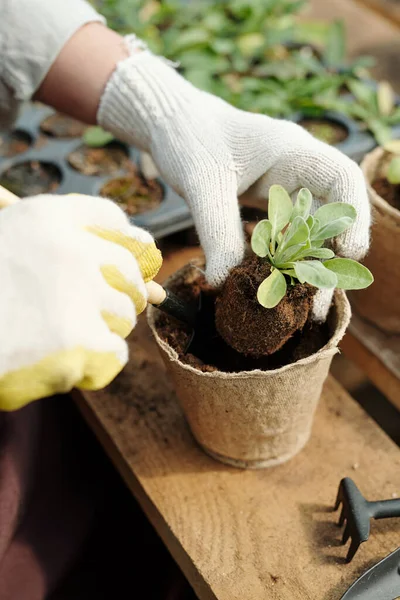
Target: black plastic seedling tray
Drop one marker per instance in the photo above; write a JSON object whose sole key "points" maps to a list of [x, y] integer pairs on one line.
{"points": [[170, 216]]}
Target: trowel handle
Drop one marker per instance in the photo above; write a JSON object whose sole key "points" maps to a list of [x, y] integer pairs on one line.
{"points": [[169, 303]]}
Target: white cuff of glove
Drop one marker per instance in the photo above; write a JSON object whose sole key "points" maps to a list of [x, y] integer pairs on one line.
{"points": [[39, 32]]}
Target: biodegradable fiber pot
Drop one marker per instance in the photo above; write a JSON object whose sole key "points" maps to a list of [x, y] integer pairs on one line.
{"points": [[252, 419], [379, 303]]}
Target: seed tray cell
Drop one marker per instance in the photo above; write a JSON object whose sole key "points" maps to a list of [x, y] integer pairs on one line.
{"points": [[170, 216]]}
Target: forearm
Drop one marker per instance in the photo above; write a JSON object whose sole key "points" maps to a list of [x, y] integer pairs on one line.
{"points": [[57, 37], [76, 79]]}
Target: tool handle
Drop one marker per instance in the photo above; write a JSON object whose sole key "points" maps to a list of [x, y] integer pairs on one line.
{"points": [[166, 301], [384, 509]]}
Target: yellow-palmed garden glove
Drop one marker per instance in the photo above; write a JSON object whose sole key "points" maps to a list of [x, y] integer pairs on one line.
{"points": [[72, 282]]}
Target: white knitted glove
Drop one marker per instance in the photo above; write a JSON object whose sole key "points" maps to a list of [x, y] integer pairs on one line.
{"points": [[72, 272], [210, 153]]}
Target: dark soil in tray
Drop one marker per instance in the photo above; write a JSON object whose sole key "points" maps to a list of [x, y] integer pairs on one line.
{"points": [[219, 356], [62, 126], [326, 130], [14, 143], [31, 178], [388, 191], [134, 193], [99, 161]]}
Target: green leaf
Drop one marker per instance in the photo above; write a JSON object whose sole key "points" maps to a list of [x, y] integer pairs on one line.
{"points": [[289, 255], [385, 98], [364, 93], [280, 208], [334, 228], [261, 238], [303, 204], [321, 253], [350, 274], [310, 222], [315, 273], [272, 290], [296, 233], [335, 49], [333, 211], [393, 172], [393, 146], [95, 137]]}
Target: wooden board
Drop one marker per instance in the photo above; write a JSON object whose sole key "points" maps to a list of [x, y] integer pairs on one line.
{"points": [[377, 354], [367, 33], [245, 535], [390, 9]]}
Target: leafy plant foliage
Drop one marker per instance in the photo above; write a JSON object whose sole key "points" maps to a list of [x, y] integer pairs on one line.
{"points": [[255, 55], [292, 240]]}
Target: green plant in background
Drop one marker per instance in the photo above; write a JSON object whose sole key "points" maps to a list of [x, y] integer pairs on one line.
{"points": [[96, 137], [393, 170], [257, 55], [290, 239]]}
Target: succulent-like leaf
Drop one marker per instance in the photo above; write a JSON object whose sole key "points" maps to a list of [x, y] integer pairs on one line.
{"points": [[272, 290], [96, 137], [350, 274], [303, 204], [386, 98], [321, 253], [297, 233], [261, 238], [315, 273], [393, 172], [289, 254], [393, 146], [334, 228], [333, 211], [310, 222], [279, 209]]}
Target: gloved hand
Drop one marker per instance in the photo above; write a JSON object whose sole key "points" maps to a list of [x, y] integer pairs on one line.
{"points": [[72, 272], [210, 153]]}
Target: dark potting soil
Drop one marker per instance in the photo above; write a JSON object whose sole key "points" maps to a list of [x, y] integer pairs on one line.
{"points": [[134, 193], [99, 161], [247, 326], [31, 178], [218, 355], [325, 130], [61, 126], [14, 143], [387, 191]]}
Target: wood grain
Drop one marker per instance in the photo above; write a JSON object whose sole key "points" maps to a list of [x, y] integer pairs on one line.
{"points": [[245, 535], [377, 355]]}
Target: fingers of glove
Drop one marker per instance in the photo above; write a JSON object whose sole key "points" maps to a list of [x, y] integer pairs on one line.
{"points": [[62, 370], [106, 220], [216, 214], [302, 161], [121, 272], [321, 304]]}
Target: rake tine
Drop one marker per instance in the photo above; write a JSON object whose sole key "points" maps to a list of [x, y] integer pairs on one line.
{"points": [[346, 533], [342, 516], [339, 497], [354, 546]]}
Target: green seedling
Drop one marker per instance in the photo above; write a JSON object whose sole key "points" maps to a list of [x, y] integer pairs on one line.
{"points": [[96, 137], [393, 170], [292, 240]]}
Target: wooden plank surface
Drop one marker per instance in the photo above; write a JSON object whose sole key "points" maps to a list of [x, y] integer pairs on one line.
{"points": [[367, 33], [377, 355], [241, 535], [390, 9]]}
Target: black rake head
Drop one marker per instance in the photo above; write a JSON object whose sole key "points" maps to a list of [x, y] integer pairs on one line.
{"points": [[357, 513]]}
